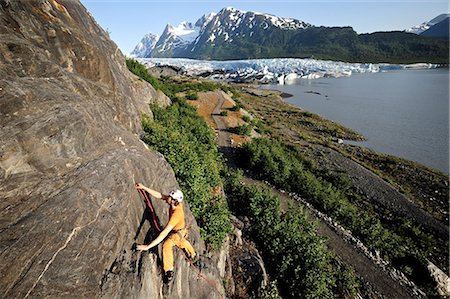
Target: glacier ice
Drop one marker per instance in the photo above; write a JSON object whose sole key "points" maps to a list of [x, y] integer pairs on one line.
{"points": [[277, 70]]}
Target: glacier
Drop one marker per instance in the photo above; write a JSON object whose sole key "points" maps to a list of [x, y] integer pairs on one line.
{"points": [[276, 70]]}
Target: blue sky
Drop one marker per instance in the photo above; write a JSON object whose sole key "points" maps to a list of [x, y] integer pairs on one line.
{"points": [[129, 21]]}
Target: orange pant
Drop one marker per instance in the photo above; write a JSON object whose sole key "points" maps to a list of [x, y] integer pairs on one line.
{"points": [[182, 243]]}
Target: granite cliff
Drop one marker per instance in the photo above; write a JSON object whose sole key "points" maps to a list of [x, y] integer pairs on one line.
{"points": [[69, 157]]}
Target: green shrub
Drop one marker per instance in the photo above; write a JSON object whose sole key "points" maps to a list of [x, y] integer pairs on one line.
{"points": [[246, 118], [235, 108], [294, 254], [308, 114], [270, 291], [244, 129], [286, 168], [139, 70], [189, 146], [171, 86], [192, 97], [223, 113], [261, 128]]}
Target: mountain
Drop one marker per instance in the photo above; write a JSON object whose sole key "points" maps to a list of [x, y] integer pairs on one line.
{"points": [[439, 30], [174, 37], [145, 46], [230, 34], [235, 34], [418, 29], [178, 37], [226, 26]]}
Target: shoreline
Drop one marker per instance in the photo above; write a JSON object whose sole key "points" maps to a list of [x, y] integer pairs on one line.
{"points": [[401, 143], [285, 95]]}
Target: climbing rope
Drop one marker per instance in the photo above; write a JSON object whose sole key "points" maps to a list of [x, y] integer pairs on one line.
{"points": [[191, 264], [149, 204], [199, 274]]}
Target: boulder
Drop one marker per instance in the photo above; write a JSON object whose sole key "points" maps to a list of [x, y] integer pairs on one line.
{"points": [[69, 157]]}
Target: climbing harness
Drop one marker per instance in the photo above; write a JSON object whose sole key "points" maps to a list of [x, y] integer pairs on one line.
{"points": [[199, 274], [178, 232]]}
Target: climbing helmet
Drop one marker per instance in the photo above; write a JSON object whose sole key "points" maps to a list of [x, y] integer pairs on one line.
{"points": [[177, 195]]}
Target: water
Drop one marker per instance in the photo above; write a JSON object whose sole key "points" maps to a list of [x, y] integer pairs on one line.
{"points": [[404, 113]]}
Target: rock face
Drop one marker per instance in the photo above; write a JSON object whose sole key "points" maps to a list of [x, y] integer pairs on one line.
{"points": [[441, 278], [69, 156]]}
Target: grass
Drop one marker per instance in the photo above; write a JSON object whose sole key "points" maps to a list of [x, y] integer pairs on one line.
{"points": [[292, 121]]}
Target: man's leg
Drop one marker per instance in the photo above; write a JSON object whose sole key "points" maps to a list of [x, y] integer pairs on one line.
{"points": [[168, 259], [184, 244]]}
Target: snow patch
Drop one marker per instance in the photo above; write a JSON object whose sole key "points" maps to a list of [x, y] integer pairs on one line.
{"points": [[185, 31], [211, 38]]}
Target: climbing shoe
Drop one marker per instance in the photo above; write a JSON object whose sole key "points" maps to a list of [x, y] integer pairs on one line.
{"points": [[168, 276], [188, 255]]}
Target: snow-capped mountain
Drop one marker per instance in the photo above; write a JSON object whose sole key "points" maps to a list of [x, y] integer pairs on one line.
{"points": [[175, 37], [203, 21], [439, 30], [418, 29], [145, 46], [228, 25], [232, 34], [231, 25]]}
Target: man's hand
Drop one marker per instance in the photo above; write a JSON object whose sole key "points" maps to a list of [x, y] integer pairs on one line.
{"points": [[142, 247], [139, 186], [152, 192]]}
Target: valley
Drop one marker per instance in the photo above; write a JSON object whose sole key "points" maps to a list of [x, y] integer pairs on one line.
{"points": [[268, 115]]}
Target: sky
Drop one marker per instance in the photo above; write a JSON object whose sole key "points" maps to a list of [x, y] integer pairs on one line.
{"points": [[128, 21]]}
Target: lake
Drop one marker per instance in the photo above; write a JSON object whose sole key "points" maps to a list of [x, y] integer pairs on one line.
{"points": [[404, 113]]}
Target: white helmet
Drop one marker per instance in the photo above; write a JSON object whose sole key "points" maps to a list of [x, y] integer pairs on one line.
{"points": [[177, 195]]}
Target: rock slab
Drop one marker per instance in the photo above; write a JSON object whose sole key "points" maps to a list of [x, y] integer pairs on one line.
{"points": [[69, 157]]}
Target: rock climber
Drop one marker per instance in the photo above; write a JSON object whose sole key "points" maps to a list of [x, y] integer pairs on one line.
{"points": [[174, 233]]}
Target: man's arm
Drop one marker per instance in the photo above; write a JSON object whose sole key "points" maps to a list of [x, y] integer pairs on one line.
{"points": [[152, 192], [162, 236]]}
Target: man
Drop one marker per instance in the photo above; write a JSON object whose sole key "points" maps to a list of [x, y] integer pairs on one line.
{"points": [[175, 229]]}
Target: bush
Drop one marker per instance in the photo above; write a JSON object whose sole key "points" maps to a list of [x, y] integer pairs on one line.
{"points": [[284, 166], [246, 118], [223, 113], [192, 97], [139, 70], [189, 146], [261, 128], [171, 86], [270, 291], [244, 129], [235, 108], [294, 254]]}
